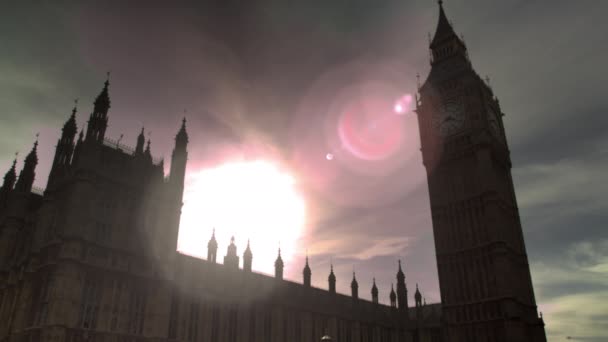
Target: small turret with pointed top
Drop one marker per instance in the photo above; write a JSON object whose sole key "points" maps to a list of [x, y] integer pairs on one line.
{"points": [[98, 121], [178, 161], [212, 248], [401, 290], [332, 279], [354, 287], [10, 176], [28, 173], [418, 297], [278, 267], [231, 260], [306, 272], [374, 292], [141, 140], [393, 297], [247, 258]]}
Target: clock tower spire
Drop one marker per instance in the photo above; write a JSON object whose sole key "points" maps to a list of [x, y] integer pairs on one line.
{"points": [[484, 275]]}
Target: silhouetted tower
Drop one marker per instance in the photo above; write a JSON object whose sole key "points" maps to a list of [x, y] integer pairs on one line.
{"points": [[148, 153], [332, 280], [418, 301], [401, 290], [481, 257], [278, 266], [307, 273], [354, 287], [28, 173], [8, 184], [179, 159], [393, 297], [231, 260], [212, 248], [65, 148], [98, 121], [374, 292], [141, 140], [247, 258]]}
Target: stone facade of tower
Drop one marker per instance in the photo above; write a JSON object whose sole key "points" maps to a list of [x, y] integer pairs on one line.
{"points": [[484, 276]]}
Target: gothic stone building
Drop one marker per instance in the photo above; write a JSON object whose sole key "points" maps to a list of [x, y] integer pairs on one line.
{"points": [[94, 257]]}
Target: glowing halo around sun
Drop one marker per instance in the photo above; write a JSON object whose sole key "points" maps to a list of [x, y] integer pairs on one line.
{"points": [[253, 200]]}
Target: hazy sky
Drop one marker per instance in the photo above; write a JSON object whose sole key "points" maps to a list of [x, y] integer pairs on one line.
{"points": [[275, 74]]}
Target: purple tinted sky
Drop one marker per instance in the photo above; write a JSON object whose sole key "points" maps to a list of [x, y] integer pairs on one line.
{"points": [[272, 74]]}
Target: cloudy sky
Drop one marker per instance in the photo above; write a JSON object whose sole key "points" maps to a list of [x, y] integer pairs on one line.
{"points": [[275, 75]]}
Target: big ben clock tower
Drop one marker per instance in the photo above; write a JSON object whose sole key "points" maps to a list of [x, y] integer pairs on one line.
{"points": [[484, 275]]}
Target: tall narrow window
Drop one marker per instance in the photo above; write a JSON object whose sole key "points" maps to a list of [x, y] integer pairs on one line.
{"points": [[173, 316], [252, 324], [137, 310], [193, 321], [215, 322], [232, 324], [90, 302]]}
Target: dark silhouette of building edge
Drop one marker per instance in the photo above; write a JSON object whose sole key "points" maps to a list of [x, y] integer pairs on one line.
{"points": [[93, 257]]}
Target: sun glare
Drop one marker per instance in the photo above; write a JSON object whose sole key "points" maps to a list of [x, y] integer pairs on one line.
{"points": [[252, 200]]}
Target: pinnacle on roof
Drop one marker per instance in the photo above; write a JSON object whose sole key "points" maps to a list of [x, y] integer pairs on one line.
{"points": [[444, 28]]}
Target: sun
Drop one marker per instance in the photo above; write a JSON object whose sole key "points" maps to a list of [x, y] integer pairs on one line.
{"points": [[250, 200]]}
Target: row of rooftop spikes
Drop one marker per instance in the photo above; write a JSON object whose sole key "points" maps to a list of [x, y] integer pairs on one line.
{"points": [[98, 118], [232, 260]]}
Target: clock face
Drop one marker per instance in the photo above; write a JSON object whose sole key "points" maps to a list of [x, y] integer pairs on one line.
{"points": [[449, 119]]}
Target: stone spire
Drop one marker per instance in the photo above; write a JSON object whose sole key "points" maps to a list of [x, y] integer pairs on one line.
{"points": [[393, 297], [445, 42], [231, 260], [212, 248], [332, 279], [401, 289], [306, 272], [177, 174], [418, 297], [247, 258], [10, 177], [354, 287], [141, 140], [27, 174], [98, 121], [278, 266], [374, 292]]}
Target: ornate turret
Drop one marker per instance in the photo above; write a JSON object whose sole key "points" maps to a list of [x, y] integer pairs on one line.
{"points": [[231, 260], [212, 248], [418, 297], [65, 146], [278, 266], [332, 280], [446, 43], [27, 174], [401, 290], [307, 273], [179, 159], [247, 258], [354, 287], [8, 184], [393, 297], [98, 121], [148, 152], [141, 140], [374, 292], [9, 177]]}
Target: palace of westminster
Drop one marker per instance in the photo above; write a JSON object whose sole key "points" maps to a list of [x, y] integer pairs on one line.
{"points": [[93, 257]]}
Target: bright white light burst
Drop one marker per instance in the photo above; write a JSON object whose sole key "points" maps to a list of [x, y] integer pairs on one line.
{"points": [[251, 200]]}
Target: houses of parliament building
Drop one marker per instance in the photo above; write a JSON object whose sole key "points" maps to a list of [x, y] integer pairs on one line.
{"points": [[93, 257]]}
